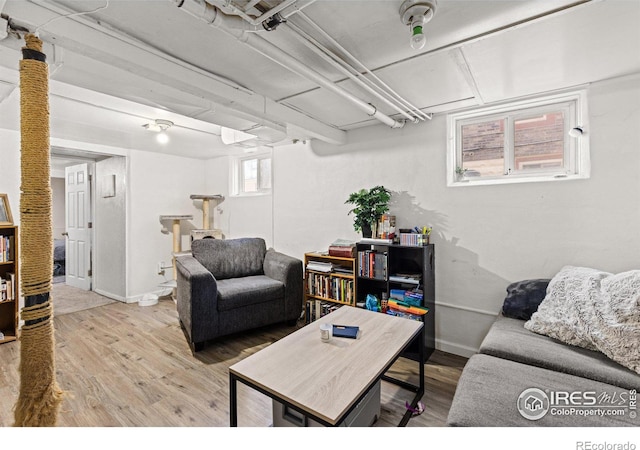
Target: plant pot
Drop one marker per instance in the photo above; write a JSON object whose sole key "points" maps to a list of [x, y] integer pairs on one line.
{"points": [[366, 231]]}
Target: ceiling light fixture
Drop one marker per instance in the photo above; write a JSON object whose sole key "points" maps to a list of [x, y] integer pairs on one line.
{"points": [[416, 13], [162, 137], [160, 126]]}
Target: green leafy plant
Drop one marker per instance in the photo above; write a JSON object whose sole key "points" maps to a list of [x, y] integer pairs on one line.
{"points": [[460, 170], [370, 205]]}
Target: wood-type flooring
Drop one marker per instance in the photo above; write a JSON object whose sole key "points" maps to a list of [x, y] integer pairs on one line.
{"points": [[123, 365]]}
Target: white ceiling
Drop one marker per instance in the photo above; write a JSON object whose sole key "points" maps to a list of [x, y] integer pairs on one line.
{"points": [[142, 60]]}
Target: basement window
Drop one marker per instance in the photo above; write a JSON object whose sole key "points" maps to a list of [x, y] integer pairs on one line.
{"points": [[252, 175], [519, 142]]}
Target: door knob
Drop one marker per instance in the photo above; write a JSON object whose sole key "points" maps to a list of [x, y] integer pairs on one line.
{"points": [[65, 234]]}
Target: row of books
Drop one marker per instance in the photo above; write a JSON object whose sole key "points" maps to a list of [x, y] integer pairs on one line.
{"points": [[314, 309], [6, 248], [397, 305], [406, 315], [373, 264], [336, 288], [413, 297], [8, 287]]}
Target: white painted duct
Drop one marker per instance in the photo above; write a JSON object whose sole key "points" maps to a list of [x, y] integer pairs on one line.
{"points": [[247, 33]]}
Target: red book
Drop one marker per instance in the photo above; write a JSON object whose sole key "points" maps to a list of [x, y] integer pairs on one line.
{"points": [[344, 252]]}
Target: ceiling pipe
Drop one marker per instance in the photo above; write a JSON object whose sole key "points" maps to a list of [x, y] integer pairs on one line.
{"points": [[414, 109], [335, 62], [245, 33]]}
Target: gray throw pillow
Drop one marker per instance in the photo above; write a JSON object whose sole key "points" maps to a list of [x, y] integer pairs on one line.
{"points": [[524, 297]]}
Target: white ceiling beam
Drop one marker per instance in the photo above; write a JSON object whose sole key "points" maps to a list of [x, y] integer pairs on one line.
{"points": [[81, 35], [463, 65]]}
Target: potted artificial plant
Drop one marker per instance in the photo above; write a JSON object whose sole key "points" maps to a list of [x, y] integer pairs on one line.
{"points": [[370, 205], [461, 173]]}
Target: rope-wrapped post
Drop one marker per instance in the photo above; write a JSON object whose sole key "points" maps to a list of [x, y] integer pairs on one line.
{"points": [[40, 397]]}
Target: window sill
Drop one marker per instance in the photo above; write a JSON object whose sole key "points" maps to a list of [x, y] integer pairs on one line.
{"points": [[452, 182], [251, 194]]}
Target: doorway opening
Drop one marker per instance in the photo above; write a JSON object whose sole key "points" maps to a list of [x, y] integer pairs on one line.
{"points": [[88, 219]]}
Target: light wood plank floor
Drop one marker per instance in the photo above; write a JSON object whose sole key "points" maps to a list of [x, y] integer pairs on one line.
{"points": [[68, 299], [129, 366]]}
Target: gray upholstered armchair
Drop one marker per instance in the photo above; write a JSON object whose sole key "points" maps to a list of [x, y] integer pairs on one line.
{"points": [[233, 285]]}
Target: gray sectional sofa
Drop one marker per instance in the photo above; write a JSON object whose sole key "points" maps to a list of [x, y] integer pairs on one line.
{"points": [[512, 360], [520, 378]]}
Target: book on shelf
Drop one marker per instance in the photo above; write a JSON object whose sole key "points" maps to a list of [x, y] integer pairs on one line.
{"points": [[401, 306], [341, 252], [11, 285], [405, 279], [404, 314], [342, 248], [342, 243], [343, 270], [320, 266]]}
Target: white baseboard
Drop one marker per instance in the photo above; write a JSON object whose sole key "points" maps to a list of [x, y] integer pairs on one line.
{"points": [[468, 309], [110, 295], [455, 349], [135, 298]]}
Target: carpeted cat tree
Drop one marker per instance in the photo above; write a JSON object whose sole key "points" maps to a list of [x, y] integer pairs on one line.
{"points": [[40, 396]]}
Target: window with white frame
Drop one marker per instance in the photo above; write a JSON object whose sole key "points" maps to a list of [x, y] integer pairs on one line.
{"points": [[252, 174], [521, 141]]}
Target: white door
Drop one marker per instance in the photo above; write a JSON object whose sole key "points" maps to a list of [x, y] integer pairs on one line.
{"points": [[78, 224]]}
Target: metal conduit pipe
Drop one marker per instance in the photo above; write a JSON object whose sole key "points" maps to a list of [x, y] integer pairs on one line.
{"points": [[313, 45], [344, 51], [237, 27]]}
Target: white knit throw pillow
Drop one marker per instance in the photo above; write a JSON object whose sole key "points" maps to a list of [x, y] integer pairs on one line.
{"points": [[595, 310]]}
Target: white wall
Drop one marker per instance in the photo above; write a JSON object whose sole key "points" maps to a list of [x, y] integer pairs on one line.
{"points": [[238, 216], [110, 226], [159, 184], [10, 170], [485, 236]]}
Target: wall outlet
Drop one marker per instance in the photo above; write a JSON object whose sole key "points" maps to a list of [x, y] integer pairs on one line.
{"points": [[160, 268]]}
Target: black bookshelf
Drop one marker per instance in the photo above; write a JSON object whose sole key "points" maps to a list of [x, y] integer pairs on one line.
{"points": [[379, 274]]}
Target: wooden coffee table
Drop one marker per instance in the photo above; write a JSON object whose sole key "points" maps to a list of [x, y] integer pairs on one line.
{"points": [[326, 381]]}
